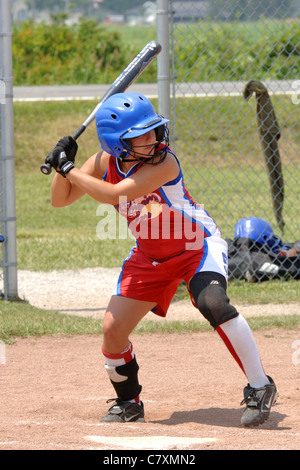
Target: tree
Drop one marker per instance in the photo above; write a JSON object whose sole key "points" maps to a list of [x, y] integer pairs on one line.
{"points": [[121, 6], [250, 10], [45, 4], [59, 5]]}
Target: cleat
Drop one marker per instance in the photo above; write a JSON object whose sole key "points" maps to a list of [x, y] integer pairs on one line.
{"points": [[259, 402], [124, 412]]}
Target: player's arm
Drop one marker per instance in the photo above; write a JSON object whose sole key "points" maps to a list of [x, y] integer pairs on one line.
{"points": [[64, 192], [144, 181]]}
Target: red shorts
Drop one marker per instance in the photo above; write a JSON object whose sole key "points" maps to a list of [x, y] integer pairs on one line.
{"points": [[142, 278]]}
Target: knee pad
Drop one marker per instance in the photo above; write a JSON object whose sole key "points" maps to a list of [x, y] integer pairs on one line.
{"points": [[209, 293], [125, 380]]}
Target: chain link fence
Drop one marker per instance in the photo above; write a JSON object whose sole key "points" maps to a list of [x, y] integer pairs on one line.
{"points": [[235, 101]]}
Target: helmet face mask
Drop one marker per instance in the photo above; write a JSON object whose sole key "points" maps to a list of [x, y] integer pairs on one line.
{"points": [[123, 117], [155, 152]]}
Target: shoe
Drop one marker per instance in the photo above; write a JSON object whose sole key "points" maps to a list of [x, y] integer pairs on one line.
{"points": [[124, 412], [259, 402]]}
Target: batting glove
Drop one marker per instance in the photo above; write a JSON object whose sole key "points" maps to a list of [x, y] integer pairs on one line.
{"points": [[64, 152], [64, 167]]}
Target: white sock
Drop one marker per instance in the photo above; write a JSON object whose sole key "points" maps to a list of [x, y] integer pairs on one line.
{"points": [[119, 359], [239, 339]]}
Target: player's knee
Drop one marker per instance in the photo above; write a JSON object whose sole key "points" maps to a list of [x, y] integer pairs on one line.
{"points": [[212, 301], [109, 334], [214, 305], [112, 332]]}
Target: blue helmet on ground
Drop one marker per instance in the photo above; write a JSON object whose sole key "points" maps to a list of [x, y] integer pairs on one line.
{"points": [[124, 116], [258, 230]]}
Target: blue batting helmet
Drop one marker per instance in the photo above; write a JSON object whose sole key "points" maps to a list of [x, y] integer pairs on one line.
{"points": [[126, 116], [257, 230]]}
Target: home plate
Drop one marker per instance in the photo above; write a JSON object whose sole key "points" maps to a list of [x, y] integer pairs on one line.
{"points": [[151, 442]]}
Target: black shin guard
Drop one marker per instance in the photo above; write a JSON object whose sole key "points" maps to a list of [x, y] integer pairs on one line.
{"points": [[209, 293], [125, 380]]}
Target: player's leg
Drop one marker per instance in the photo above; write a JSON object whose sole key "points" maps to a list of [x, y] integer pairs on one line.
{"points": [[121, 318], [209, 293]]}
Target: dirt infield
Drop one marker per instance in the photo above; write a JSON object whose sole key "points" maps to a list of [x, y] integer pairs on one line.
{"points": [[54, 389]]}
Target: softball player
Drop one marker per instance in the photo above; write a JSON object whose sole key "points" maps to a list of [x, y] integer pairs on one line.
{"points": [[176, 240]]}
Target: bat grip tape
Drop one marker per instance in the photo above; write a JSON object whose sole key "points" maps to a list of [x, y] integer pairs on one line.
{"points": [[78, 132]]}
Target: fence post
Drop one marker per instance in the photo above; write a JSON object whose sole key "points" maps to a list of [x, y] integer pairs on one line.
{"points": [[7, 159], [163, 59]]}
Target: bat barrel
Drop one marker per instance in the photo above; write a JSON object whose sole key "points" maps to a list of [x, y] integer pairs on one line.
{"points": [[124, 80]]}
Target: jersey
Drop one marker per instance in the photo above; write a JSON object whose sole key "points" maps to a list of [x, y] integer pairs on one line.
{"points": [[166, 222], [175, 239]]}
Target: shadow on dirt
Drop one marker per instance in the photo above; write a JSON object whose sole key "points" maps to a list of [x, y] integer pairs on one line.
{"points": [[226, 417]]}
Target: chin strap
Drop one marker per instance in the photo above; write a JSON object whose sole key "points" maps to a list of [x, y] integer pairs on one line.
{"points": [[161, 153]]}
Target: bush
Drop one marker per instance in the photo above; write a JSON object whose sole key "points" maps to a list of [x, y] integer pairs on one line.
{"points": [[89, 53], [237, 51], [59, 54]]}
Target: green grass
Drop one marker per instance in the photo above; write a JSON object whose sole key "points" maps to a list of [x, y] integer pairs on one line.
{"points": [[276, 291], [21, 320], [228, 134], [39, 125], [137, 35], [243, 292]]}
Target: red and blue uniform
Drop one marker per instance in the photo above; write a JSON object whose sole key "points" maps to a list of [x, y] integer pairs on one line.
{"points": [[175, 239]]}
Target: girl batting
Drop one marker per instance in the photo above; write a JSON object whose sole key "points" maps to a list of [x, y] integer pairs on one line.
{"points": [[176, 240]]}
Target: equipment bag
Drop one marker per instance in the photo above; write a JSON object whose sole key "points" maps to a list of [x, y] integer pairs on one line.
{"points": [[255, 262]]}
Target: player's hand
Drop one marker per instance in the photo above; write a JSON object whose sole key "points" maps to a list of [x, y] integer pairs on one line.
{"points": [[64, 152]]}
